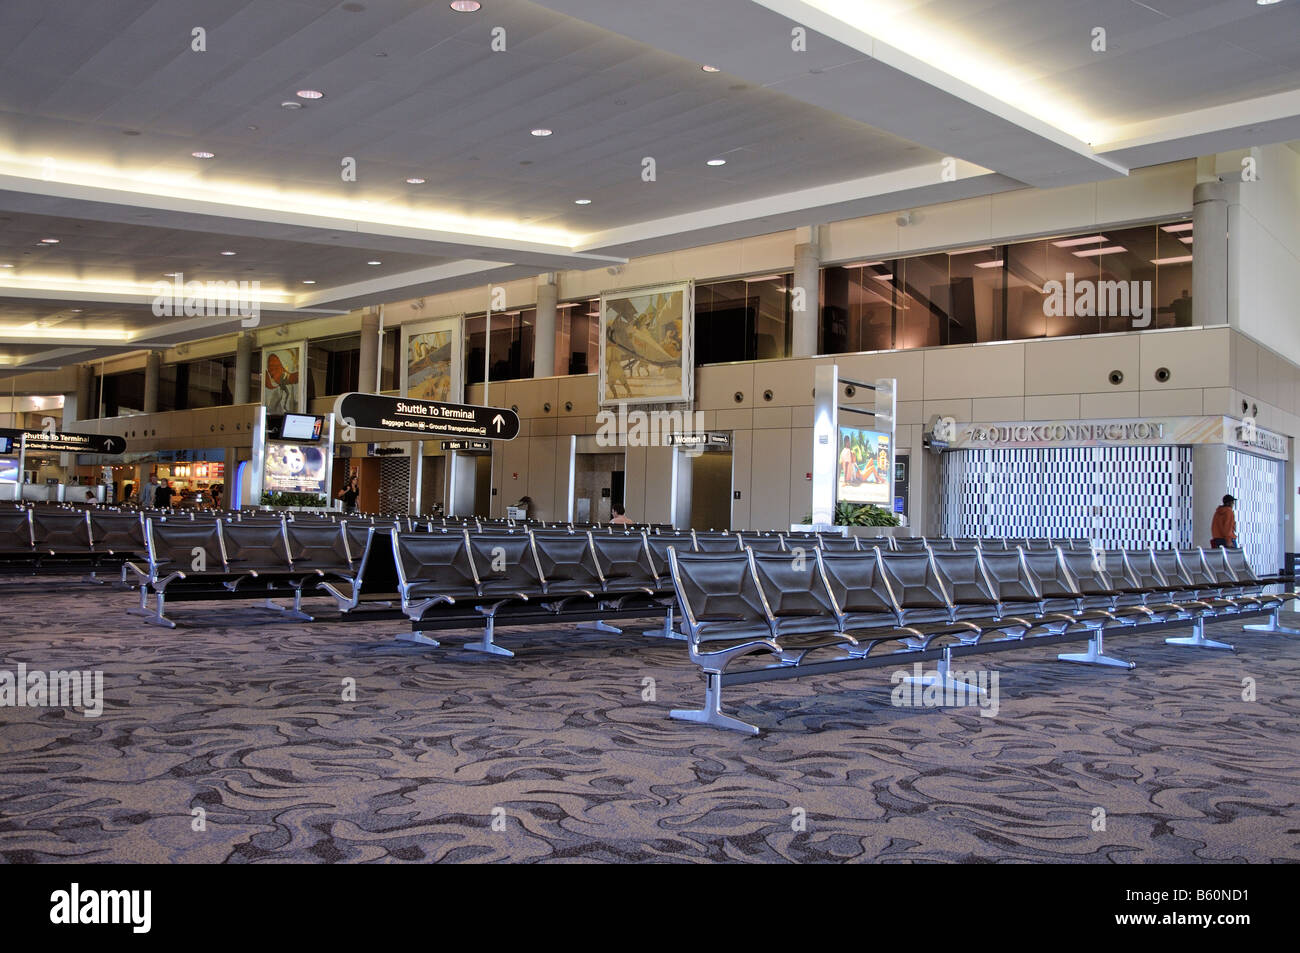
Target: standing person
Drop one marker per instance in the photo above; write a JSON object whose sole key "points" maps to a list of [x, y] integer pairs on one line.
{"points": [[162, 496], [619, 514], [147, 492], [349, 494], [1223, 529], [216, 491]]}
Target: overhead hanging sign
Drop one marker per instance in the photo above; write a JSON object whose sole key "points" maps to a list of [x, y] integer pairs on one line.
{"points": [[40, 440], [426, 418]]}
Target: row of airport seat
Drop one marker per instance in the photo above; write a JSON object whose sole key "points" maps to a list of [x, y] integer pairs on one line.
{"points": [[782, 600], [936, 604]]}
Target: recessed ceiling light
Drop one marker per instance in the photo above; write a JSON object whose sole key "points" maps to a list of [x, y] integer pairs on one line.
{"points": [[49, 241], [251, 128], [6, 265], [716, 162], [465, 6], [374, 263], [228, 253], [308, 281], [171, 274], [1175, 229], [1267, 3], [415, 181], [990, 264], [1186, 239], [309, 94], [202, 155], [582, 201], [541, 133], [709, 69], [1072, 242], [1177, 260], [1095, 252], [76, 310], [290, 104]]}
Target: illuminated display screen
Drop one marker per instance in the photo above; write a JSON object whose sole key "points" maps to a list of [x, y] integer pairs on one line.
{"points": [[862, 470]]}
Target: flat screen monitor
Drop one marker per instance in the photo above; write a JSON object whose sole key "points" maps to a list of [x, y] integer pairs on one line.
{"points": [[7, 444], [300, 427], [8, 471]]}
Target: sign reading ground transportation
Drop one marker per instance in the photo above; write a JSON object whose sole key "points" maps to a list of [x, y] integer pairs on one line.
{"points": [[466, 445], [422, 418], [67, 442]]}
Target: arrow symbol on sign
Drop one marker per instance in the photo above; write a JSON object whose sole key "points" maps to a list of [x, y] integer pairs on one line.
{"points": [[499, 421]]}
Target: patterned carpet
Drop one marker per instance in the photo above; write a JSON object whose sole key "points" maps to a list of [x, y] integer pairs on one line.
{"points": [[449, 755]]}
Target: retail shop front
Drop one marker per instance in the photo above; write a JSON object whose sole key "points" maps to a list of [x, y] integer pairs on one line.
{"points": [[1151, 481]]}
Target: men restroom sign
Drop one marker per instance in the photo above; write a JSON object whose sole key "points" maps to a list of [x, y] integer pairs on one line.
{"points": [[426, 418]]}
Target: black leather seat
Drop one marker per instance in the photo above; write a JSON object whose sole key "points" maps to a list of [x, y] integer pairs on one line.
{"points": [[725, 617]]}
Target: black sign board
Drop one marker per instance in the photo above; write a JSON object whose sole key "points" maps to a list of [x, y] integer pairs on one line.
{"points": [[709, 439], [426, 418], [466, 445], [39, 440]]}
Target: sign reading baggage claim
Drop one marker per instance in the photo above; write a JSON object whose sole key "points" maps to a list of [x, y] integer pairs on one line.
{"points": [[426, 418]]}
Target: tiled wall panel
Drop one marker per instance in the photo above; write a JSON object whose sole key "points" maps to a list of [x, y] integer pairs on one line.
{"points": [[1115, 496]]}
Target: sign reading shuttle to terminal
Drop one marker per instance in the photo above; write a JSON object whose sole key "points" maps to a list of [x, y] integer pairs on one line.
{"points": [[426, 418], [65, 442]]}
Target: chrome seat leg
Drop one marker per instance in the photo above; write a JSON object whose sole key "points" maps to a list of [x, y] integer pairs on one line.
{"points": [[1272, 625], [942, 676], [486, 644], [599, 626], [1198, 640], [711, 713], [153, 616], [667, 632], [294, 613], [1096, 654], [417, 637]]}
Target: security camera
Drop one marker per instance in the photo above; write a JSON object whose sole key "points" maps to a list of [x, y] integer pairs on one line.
{"points": [[904, 220]]}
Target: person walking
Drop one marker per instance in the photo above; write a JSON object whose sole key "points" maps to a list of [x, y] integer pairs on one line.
{"points": [[147, 491], [1223, 529]]}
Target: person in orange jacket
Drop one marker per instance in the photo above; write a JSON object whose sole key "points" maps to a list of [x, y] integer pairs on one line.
{"points": [[1223, 530]]}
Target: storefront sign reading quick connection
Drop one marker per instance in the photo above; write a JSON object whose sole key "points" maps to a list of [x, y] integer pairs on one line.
{"points": [[1068, 433], [1092, 433]]}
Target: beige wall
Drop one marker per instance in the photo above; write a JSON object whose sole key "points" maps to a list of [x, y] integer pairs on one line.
{"points": [[1062, 379]]}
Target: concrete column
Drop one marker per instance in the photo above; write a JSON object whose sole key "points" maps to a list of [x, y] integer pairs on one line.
{"points": [[1211, 278], [368, 381], [86, 403], [805, 320], [152, 370], [1209, 483], [244, 367], [544, 332]]}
